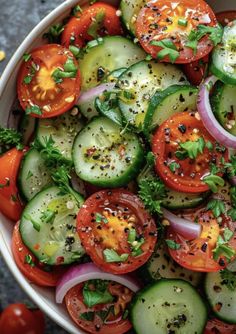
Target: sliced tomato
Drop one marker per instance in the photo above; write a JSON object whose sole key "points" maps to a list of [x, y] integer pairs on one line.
{"points": [[33, 270], [98, 20], [225, 17], [116, 231], [106, 318], [198, 254], [165, 19], [48, 82], [215, 326], [196, 70], [188, 174], [10, 204]]}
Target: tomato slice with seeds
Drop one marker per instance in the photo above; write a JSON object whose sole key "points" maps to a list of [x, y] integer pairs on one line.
{"points": [[225, 17], [10, 203], [98, 20], [198, 254], [215, 326], [107, 318], [30, 267], [116, 231], [48, 82], [165, 19], [185, 129]]}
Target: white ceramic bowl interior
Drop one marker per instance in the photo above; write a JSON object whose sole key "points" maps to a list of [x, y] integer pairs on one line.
{"points": [[44, 297]]}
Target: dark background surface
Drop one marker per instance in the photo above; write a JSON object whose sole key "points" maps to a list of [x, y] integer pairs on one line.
{"points": [[17, 18]]}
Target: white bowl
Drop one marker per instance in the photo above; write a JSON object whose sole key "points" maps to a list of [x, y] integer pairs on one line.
{"points": [[44, 297]]}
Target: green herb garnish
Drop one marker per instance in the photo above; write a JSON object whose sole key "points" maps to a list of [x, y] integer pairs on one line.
{"points": [[172, 244], [168, 49], [110, 255]]}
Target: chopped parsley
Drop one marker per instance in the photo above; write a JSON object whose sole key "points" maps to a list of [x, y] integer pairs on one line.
{"points": [[174, 166], [10, 138], [100, 218], [48, 216], [96, 292], [33, 110], [168, 49], [215, 35], [54, 33], [69, 71], [110, 255], [135, 242], [193, 148], [96, 24], [217, 206], [172, 244], [222, 247], [36, 225], [152, 191]]}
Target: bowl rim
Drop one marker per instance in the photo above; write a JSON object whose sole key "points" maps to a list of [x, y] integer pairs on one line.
{"points": [[39, 300]]}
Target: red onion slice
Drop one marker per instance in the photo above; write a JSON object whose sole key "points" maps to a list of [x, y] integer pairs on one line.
{"points": [[88, 271], [95, 92], [184, 227], [210, 122]]}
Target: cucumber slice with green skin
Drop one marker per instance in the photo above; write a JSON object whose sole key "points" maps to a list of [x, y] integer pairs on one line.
{"points": [[224, 106], [104, 156], [138, 85], [161, 265], [130, 10], [113, 52], [27, 127], [168, 102], [223, 63], [221, 299], [168, 306], [33, 175], [48, 227], [175, 200], [62, 129]]}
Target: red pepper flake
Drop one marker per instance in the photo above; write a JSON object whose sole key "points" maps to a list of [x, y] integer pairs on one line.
{"points": [[121, 151], [37, 246], [90, 151], [217, 307]]}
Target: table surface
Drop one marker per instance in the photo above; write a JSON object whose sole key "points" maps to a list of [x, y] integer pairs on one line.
{"points": [[17, 18]]}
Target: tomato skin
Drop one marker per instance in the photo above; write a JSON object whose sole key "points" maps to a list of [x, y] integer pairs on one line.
{"points": [[77, 27], [95, 240], [215, 326], [165, 143], [10, 204], [196, 70], [34, 274], [75, 307], [225, 17], [159, 20], [197, 254], [18, 319], [42, 91]]}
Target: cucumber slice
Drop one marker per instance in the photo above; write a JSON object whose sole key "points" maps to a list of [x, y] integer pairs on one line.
{"points": [[27, 127], [168, 102], [130, 10], [88, 108], [140, 82], [161, 265], [62, 129], [223, 63], [224, 106], [221, 299], [114, 75], [48, 227], [33, 175], [168, 306], [111, 53], [175, 200], [104, 156]]}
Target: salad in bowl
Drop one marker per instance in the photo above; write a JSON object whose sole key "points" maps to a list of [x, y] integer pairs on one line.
{"points": [[118, 167]]}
